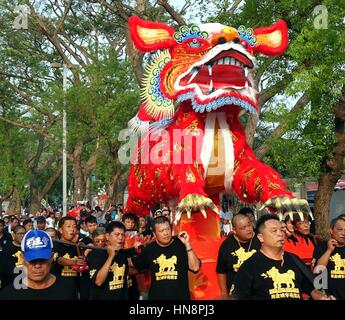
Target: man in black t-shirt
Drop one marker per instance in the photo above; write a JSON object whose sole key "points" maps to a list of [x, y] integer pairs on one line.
{"points": [[169, 260], [91, 225], [69, 263], [272, 273], [11, 258], [109, 269], [38, 283], [235, 250], [331, 255]]}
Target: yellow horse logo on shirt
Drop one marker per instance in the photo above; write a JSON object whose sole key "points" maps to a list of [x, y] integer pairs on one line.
{"points": [[118, 276], [283, 283], [242, 257], [166, 267], [339, 266], [20, 258]]}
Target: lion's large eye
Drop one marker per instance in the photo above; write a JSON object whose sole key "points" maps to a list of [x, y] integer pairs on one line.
{"points": [[194, 43]]}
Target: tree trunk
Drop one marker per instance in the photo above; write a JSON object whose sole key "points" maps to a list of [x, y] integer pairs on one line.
{"points": [[331, 169], [4, 198], [34, 193], [111, 187], [250, 129], [121, 187], [79, 187], [15, 203]]}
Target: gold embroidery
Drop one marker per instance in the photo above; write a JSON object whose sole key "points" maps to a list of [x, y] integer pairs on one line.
{"points": [[197, 167], [248, 174], [158, 172], [193, 129], [190, 177]]}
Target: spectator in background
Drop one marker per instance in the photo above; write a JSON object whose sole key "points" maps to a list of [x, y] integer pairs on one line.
{"points": [[225, 218], [98, 240], [6, 221], [91, 225], [40, 223], [13, 222], [99, 216], [53, 233], [288, 227], [144, 228], [28, 225], [157, 213], [50, 220], [302, 242], [129, 220]]}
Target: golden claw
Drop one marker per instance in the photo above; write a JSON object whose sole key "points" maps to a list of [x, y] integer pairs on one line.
{"points": [[286, 206], [196, 202]]}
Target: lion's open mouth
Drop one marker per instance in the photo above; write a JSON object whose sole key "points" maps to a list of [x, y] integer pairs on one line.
{"points": [[229, 69]]}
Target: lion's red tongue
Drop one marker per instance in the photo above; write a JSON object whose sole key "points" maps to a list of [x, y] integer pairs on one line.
{"points": [[221, 75]]}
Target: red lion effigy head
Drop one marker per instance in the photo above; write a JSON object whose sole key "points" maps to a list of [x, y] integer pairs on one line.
{"points": [[210, 64]]}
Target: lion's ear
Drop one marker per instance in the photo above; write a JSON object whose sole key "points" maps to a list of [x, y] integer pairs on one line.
{"points": [[151, 36], [272, 40]]}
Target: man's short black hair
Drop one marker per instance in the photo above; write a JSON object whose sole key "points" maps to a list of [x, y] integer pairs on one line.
{"points": [[14, 218], [246, 210], [160, 220], [90, 219], [40, 219], [129, 215], [263, 219], [64, 219], [335, 220], [26, 221], [236, 217], [113, 225]]}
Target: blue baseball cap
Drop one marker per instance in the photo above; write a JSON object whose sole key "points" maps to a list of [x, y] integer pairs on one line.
{"points": [[37, 244]]}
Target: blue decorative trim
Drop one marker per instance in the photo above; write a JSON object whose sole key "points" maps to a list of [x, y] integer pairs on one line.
{"points": [[161, 123], [191, 32], [214, 105], [247, 34]]}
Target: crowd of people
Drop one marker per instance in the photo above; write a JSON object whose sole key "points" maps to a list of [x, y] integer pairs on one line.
{"points": [[89, 254]]}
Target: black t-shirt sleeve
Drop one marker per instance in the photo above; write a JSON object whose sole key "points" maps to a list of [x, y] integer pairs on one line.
{"points": [[243, 282], [95, 262], [140, 261], [221, 261], [319, 250]]}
